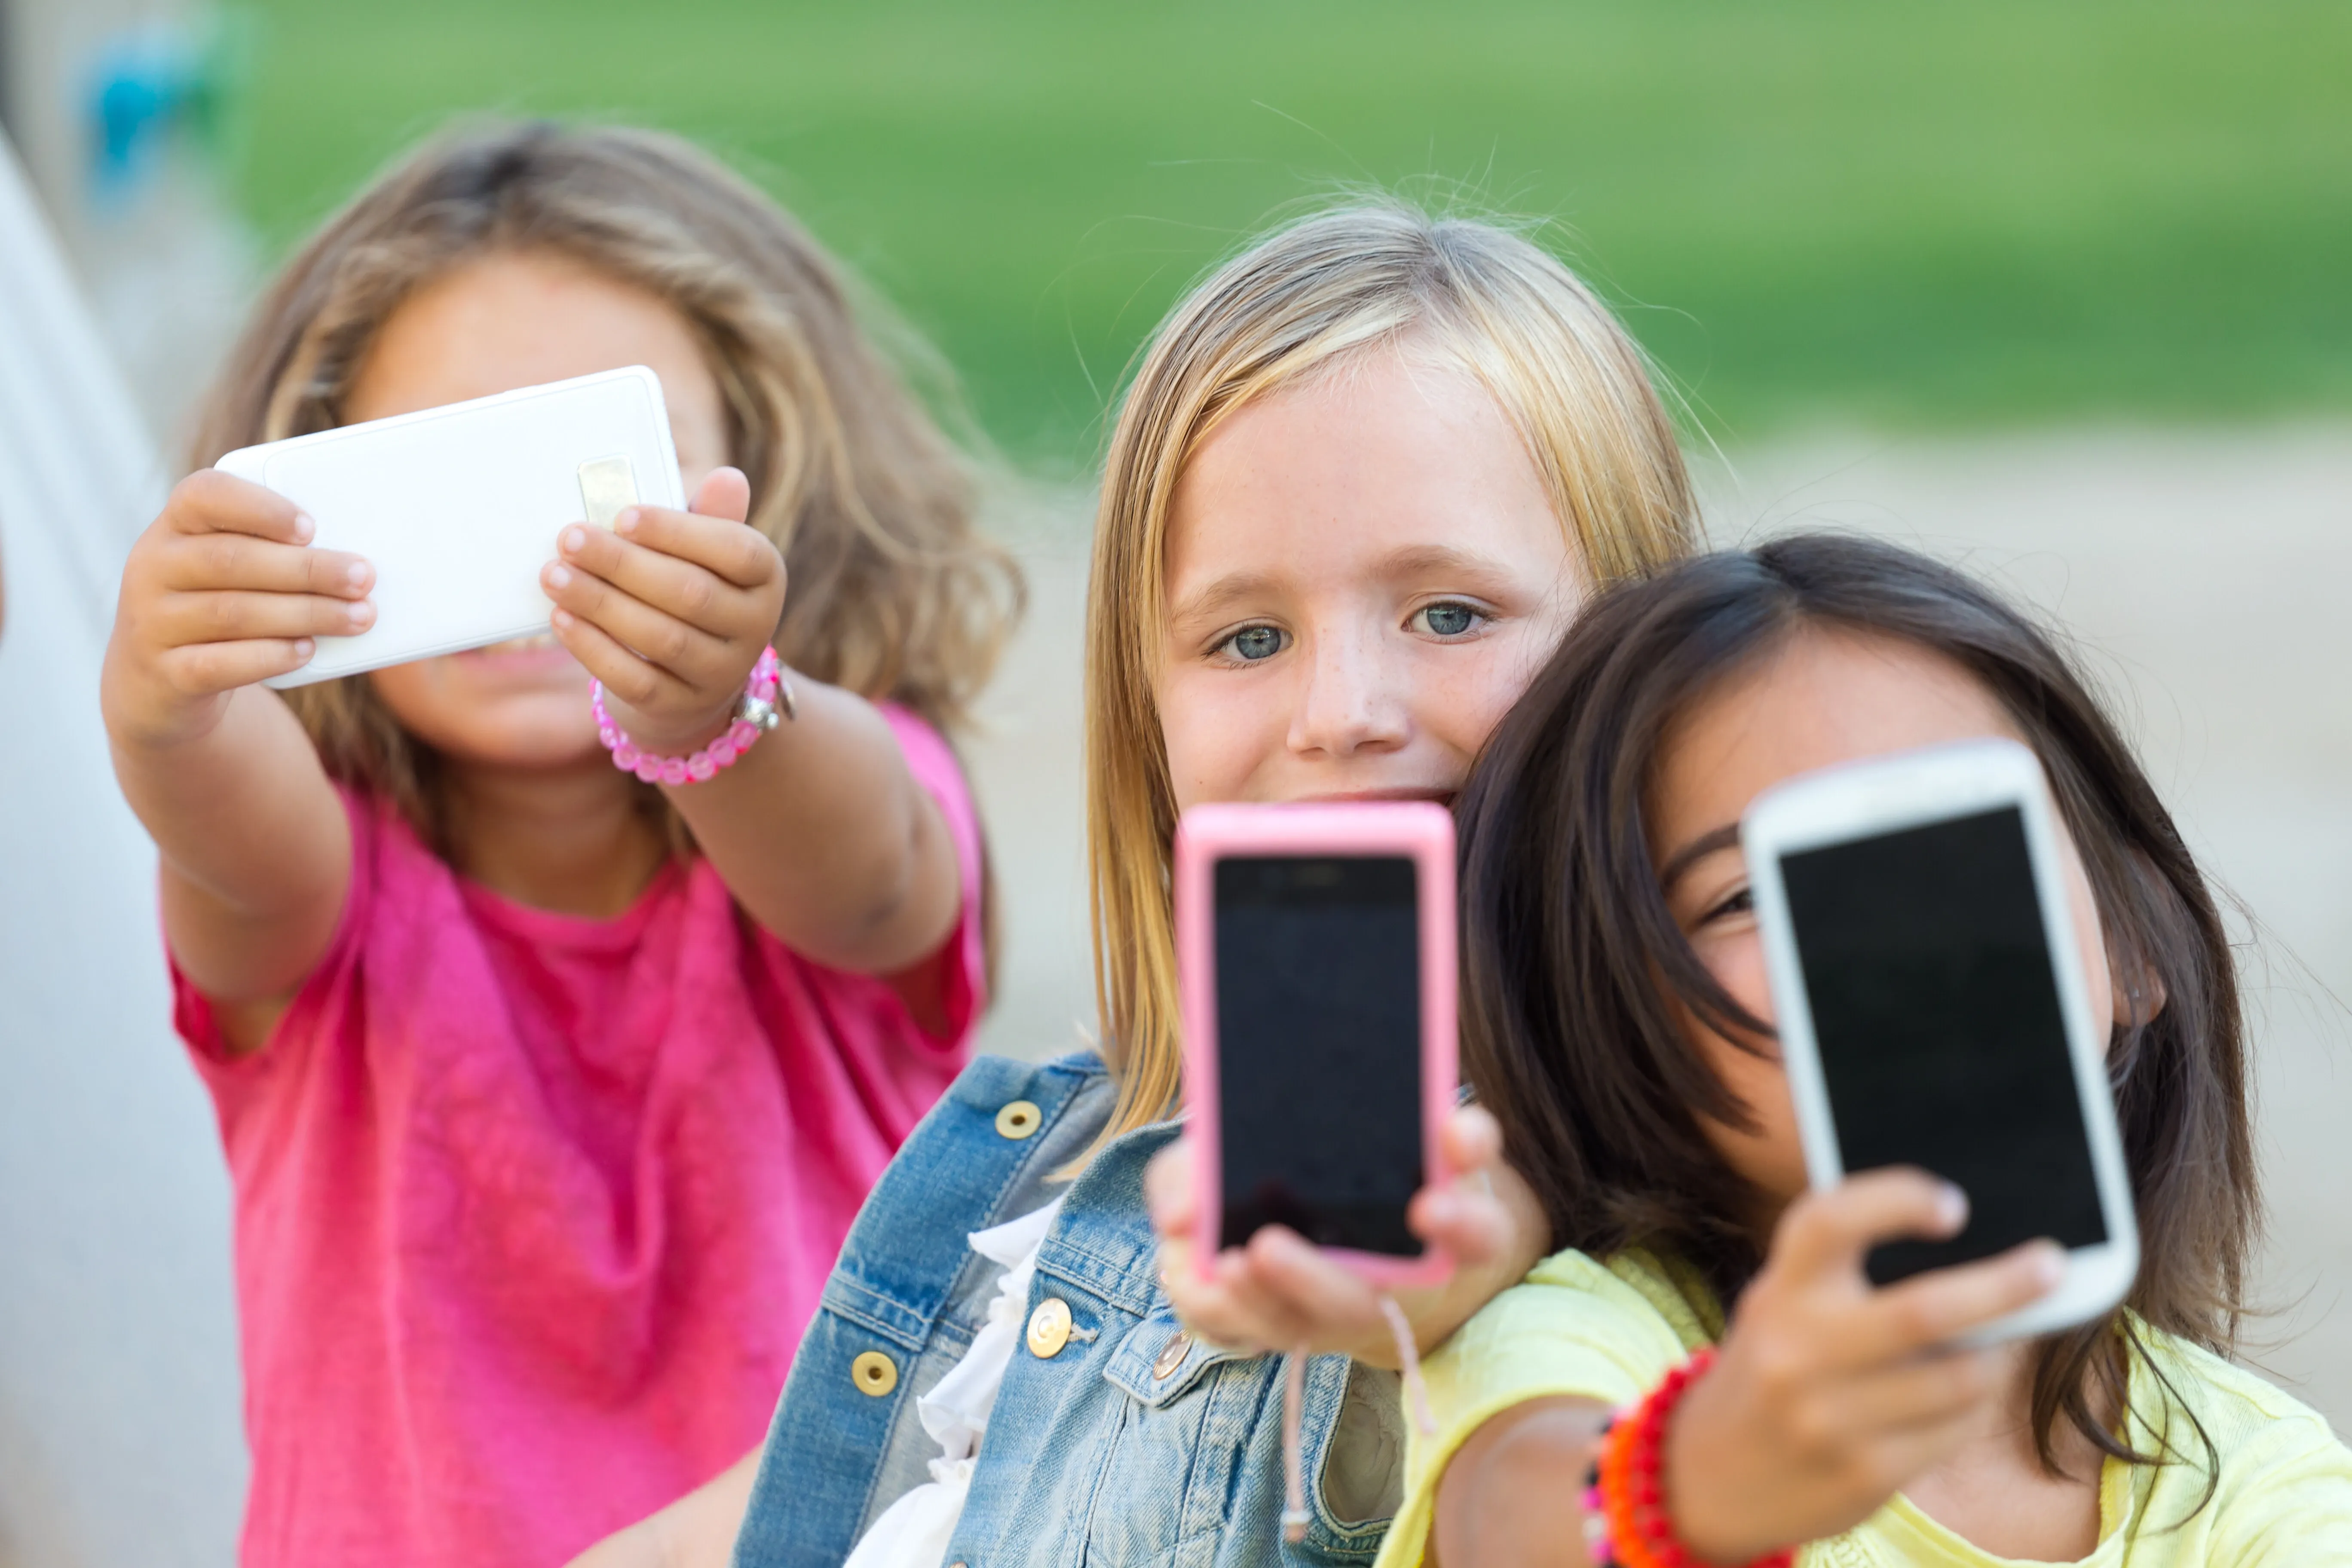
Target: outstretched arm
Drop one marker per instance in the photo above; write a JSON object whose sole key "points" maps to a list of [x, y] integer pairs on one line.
{"points": [[1827, 1396], [820, 830], [221, 592], [1513, 1496]]}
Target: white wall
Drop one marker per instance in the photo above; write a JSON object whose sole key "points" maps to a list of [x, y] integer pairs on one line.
{"points": [[120, 1434]]}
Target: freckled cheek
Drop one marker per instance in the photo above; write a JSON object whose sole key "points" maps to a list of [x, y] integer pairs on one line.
{"points": [[1219, 734], [1463, 697]]}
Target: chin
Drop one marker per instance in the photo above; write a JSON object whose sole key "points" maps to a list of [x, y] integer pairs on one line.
{"points": [[535, 731]]}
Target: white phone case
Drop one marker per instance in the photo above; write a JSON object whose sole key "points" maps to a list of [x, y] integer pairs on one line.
{"points": [[457, 508], [1911, 789]]}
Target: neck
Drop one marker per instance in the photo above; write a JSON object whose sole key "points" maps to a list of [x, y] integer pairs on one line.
{"points": [[1993, 1488], [573, 839]]}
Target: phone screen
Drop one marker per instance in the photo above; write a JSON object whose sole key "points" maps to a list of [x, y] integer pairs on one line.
{"points": [[1318, 1048], [1936, 1011]]}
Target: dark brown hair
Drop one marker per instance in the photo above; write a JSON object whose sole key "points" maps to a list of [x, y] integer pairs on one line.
{"points": [[895, 592], [1574, 964]]}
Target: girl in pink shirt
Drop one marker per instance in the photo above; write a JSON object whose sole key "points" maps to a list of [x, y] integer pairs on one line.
{"points": [[549, 1095]]}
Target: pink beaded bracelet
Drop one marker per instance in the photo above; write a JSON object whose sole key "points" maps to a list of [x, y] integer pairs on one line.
{"points": [[767, 701]]}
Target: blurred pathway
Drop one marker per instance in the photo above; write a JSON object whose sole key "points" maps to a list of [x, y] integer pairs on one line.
{"points": [[2209, 576]]}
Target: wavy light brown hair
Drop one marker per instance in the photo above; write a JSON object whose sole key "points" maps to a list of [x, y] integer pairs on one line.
{"points": [[1315, 296], [895, 593], [1576, 975]]}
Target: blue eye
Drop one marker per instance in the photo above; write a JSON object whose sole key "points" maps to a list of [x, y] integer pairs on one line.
{"points": [[1449, 619], [1253, 643]]}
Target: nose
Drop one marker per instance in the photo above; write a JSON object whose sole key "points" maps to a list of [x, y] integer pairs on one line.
{"points": [[1355, 701]]}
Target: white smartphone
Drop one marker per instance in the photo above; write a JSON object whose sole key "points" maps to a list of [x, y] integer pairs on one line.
{"points": [[1932, 1011], [458, 507]]}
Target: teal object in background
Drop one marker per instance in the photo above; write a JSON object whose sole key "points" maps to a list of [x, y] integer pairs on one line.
{"points": [[154, 85], [1821, 212]]}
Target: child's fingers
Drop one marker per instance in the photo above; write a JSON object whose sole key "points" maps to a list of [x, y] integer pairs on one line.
{"points": [[1227, 1308], [1333, 1303], [1880, 1469], [205, 670], [670, 584], [1923, 1391], [1168, 1191], [233, 615], [210, 502], [724, 493], [695, 656], [1828, 1232], [1471, 1139], [741, 556], [1469, 1224], [190, 563], [1247, 1312], [1938, 1307], [641, 685]]}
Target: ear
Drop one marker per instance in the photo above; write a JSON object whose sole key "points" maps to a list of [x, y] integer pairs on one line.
{"points": [[2139, 995]]}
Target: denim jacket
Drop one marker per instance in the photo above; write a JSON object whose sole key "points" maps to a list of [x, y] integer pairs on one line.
{"points": [[1126, 1445]]}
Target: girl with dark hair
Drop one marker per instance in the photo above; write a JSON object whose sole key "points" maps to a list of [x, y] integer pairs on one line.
{"points": [[1618, 1024]]}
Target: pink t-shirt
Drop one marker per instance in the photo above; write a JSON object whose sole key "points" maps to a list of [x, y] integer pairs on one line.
{"points": [[532, 1210]]}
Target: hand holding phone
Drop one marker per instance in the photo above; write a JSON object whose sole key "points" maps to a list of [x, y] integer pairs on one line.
{"points": [[670, 610], [457, 508], [225, 589], [1828, 1394], [1280, 1291], [1932, 1011]]}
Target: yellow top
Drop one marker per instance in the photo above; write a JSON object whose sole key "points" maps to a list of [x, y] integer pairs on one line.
{"points": [[1580, 1328]]}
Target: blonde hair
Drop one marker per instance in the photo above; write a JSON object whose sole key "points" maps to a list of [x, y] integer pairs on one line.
{"points": [[895, 593], [1320, 293]]}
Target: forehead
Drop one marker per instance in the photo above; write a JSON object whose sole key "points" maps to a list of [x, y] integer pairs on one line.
{"points": [[509, 320], [1822, 697], [1381, 453]]}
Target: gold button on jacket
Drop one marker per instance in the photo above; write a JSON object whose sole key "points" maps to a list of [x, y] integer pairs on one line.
{"points": [[1172, 1353], [874, 1373], [1049, 1328], [1018, 1120]]}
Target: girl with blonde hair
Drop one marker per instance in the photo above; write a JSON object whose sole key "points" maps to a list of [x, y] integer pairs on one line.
{"points": [[549, 1092], [1363, 478]]}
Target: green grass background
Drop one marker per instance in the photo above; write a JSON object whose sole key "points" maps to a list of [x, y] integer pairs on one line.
{"points": [[1824, 211]]}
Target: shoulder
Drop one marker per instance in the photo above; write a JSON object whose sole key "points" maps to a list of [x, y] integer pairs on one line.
{"points": [[2223, 1395], [2283, 1478], [1611, 1327], [929, 755], [1577, 1327]]}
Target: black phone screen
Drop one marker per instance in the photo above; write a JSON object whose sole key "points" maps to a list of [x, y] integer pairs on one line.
{"points": [[1318, 1048], [1936, 1010]]}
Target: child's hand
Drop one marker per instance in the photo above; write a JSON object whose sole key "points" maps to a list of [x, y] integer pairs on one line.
{"points": [[670, 610], [1281, 1293], [223, 590], [1828, 1397]]}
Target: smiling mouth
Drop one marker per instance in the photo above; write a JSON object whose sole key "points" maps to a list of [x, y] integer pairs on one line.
{"points": [[533, 643], [1443, 797]]}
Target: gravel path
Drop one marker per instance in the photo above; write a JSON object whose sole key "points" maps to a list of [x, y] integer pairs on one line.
{"points": [[2206, 576]]}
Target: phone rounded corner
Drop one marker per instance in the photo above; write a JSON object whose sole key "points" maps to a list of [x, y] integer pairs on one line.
{"points": [[2096, 1280]]}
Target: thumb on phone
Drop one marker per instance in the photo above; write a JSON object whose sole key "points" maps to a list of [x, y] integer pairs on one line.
{"points": [[723, 492]]}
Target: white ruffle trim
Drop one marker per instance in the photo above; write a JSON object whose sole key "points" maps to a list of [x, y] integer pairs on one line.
{"points": [[914, 1532]]}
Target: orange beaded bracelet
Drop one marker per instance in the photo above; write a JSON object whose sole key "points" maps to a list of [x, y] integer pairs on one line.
{"points": [[1627, 1522]]}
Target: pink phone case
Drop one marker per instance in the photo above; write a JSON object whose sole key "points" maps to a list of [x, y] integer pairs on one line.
{"points": [[1420, 830]]}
